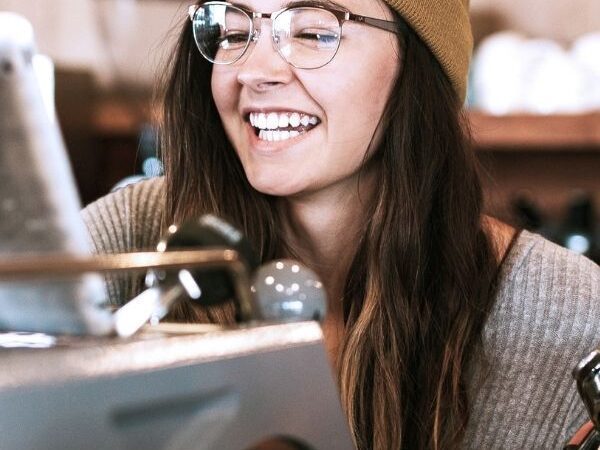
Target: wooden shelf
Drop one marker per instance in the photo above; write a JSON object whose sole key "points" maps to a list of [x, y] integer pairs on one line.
{"points": [[534, 132]]}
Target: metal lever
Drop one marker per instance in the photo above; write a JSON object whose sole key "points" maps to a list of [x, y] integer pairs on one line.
{"points": [[130, 318]]}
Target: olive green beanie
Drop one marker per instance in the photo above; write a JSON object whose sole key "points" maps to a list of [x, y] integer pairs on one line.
{"points": [[444, 25]]}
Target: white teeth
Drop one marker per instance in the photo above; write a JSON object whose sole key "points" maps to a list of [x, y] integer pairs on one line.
{"points": [[283, 121], [275, 135], [295, 120], [271, 125], [261, 121], [274, 121]]}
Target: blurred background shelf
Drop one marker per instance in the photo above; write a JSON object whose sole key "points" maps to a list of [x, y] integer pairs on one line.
{"points": [[115, 118], [547, 160], [528, 132]]}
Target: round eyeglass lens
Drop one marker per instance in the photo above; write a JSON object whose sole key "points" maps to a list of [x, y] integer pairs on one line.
{"points": [[222, 32], [307, 38]]}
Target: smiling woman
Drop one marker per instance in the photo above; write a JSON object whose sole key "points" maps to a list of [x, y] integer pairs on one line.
{"points": [[341, 125], [332, 133]]}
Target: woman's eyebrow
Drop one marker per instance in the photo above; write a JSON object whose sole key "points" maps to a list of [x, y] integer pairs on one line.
{"points": [[241, 5], [330, 3], [291, 3]]}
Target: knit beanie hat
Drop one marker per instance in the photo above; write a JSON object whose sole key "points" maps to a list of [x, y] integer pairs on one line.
{"points": [[445, 27]]}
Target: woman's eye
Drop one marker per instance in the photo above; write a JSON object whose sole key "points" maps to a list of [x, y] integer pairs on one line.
{"points": [[232, 39], [323, 37]]}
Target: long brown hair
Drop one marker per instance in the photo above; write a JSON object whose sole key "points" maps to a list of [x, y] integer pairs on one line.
{"points": [[421, 283]]}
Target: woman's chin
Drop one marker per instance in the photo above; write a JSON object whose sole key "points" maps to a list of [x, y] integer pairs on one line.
{"points": [[274, 188], [275, 191]]}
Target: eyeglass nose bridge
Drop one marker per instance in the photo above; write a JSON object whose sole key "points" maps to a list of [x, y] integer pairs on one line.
{"points": [[257, 18]]}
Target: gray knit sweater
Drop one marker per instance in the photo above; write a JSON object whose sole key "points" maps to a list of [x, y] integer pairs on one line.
{"points": [[545, 319]]}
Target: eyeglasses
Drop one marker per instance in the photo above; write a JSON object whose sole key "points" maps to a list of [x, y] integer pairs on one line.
{"points": [[307, 35]]}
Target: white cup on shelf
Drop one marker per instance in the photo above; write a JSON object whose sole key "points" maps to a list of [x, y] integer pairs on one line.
{"points": [[586, 52], [498, 67]]}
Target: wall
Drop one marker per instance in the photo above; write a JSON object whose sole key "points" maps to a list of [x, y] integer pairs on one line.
{"points": [[123, 41], [563, 20], [120, 41]]}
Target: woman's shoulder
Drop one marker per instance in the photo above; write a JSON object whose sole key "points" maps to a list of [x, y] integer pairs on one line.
{"points": [[534, 261], [127, 219], [530, 262], [152, 189], [545, 319], [542, 284]]}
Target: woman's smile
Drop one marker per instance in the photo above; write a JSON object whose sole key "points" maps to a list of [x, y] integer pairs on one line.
{"points": [[270, 126], [280, 126], [272, 142]]}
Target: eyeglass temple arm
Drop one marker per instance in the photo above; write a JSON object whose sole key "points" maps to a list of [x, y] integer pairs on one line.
{"points": [[387, 25]]}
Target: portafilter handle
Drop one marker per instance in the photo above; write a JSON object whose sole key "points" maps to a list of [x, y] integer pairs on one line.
{"points": [[587, 376]]}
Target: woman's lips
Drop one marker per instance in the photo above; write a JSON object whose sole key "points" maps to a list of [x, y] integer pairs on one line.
{"points": [[276, 126], [270, 120]]}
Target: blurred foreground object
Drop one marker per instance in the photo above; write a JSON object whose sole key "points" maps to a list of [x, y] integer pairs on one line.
{"points": [[587, 376], [287, 291], [282, 291], [39, 204], [176, 389]]}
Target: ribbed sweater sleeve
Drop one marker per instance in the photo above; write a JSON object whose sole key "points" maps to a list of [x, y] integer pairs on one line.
{"points": [[545, 319], [126, 220]]}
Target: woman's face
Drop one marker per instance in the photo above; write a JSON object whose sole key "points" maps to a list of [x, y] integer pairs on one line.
{"points": [[338, 105]]}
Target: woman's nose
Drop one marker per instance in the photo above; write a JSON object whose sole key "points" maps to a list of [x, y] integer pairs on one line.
{"points": [[263, 68]]}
